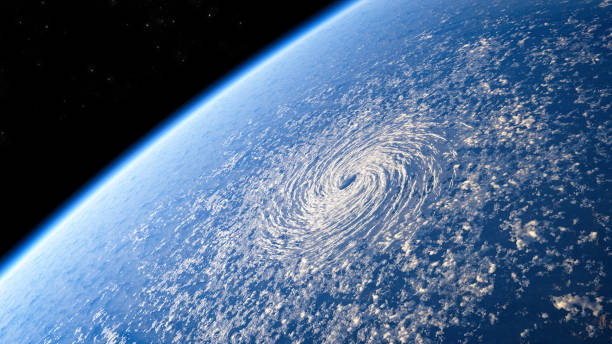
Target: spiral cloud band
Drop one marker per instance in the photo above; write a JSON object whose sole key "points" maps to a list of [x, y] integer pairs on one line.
{"points": [[355, 186]]}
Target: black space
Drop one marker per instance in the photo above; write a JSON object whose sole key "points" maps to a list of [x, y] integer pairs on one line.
{"points": [[80, 81]]}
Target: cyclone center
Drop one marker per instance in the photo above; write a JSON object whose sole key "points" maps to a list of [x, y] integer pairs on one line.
{"points": [[347, 181]]}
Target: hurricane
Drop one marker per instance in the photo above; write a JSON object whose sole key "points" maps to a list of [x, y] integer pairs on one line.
{"points": [[353, 187]]}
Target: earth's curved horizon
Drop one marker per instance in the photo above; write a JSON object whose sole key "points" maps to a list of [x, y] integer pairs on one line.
{"points": [[400, 172]]}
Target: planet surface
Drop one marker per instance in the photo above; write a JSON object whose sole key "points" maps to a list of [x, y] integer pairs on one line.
{"points": [[402, 172]]}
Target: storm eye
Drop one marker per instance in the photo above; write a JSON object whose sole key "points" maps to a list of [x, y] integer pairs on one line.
{"points": [[347, 181]]}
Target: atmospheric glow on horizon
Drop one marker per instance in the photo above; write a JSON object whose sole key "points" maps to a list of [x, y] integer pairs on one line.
{"points": [[139, 150]]}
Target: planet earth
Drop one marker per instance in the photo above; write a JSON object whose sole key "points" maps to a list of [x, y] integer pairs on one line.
{"points": [[398, 171]]}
